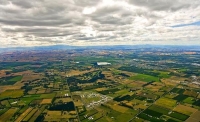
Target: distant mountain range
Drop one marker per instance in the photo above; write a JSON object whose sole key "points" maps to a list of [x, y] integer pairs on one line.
{"points": [[66, 47]]}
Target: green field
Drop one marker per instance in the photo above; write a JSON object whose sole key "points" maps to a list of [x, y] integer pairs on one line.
{"points": [[28, 98], [151, 119], [178, 116], [164, 74], [16, 78], [189, 100], [10, 80], [159, 109], [48, 96], [145, 78]]}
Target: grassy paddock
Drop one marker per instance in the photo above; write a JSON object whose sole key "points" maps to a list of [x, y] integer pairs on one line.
{"points": [[145, 78]]}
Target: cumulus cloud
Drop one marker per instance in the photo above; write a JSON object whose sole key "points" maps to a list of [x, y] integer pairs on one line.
{"points": [[99, 22]]}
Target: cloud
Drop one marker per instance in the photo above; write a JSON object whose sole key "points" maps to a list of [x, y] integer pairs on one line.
{"points": [[163, 5], [98, 22]]}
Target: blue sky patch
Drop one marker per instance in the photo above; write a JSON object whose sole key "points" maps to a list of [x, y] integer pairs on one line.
{"points": [[190, 24]]}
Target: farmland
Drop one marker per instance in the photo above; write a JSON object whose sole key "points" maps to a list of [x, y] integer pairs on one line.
{"points": [[133, 85], [146, 78]]}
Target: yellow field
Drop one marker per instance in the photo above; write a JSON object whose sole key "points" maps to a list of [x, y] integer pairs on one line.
{"points": [[101, 89], [166, 102], [64, 100], [185, 109], [12, 93], [21, 117], [119, 108], [78, 103], [8, 115]]}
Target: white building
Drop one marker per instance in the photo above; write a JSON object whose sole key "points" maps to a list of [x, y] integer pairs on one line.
{"points": [[103, 63]]}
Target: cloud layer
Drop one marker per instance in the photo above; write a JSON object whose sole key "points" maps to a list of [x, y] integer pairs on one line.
{"points": [[99, 22]]}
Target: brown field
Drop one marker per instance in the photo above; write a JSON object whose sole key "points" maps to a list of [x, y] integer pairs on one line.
{"points": [[2, 73], [195, 117], [50, 85], [24, 72], [169, 82], [29, 75], [36, 102], [101, 89], [173, 80], [8, 114], [190, 93], [41, 91], [9, 87], [33, 91], [185, 109], [77, 72], [56, 116], [21, 117], [126, 81], [198, 96], [48, 90], [193, 85], [136, 84], [46, 101], [155, 86]]}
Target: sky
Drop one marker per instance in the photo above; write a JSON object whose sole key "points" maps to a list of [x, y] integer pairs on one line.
{"points": [[99, 22]]}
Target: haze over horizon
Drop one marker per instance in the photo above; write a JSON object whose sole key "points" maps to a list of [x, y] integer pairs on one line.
{"points": [[99, 22]]}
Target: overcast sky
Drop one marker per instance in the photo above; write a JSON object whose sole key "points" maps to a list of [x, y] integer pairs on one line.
{"points": [[99, 22]]}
